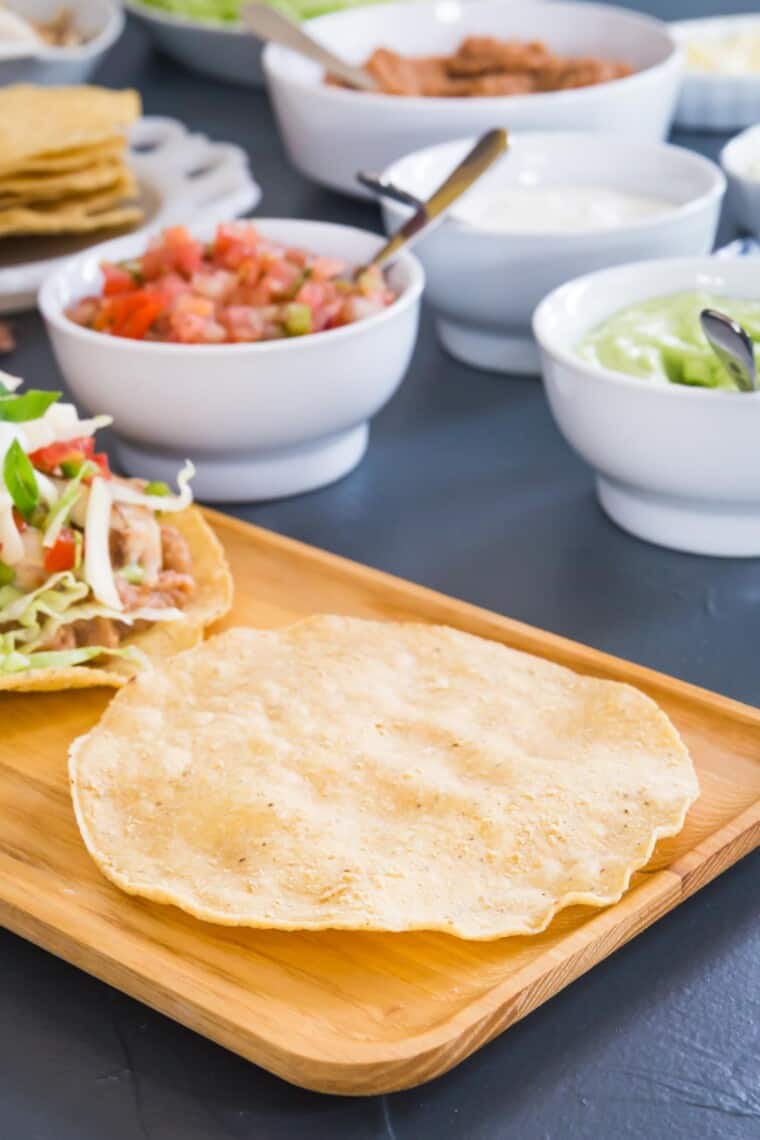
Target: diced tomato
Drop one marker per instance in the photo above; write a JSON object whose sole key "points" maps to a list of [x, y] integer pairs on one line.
{"points": [[325, 268], [49, 459], [234, 243], [62, 555], [176, 250], [130, 314], [240, 287], [104, 468], [116, 279], [20, 521]]}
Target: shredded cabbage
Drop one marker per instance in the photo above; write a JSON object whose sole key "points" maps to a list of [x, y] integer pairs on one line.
{"points": [[97, 557], [11, 546], [10, 383], [62, 508], [124, 493]]}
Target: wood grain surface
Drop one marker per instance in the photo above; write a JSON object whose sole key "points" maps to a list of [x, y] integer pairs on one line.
{"points": [[333, 1011]]}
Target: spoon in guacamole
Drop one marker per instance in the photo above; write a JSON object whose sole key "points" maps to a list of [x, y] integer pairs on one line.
{"points": [[733, 347]]}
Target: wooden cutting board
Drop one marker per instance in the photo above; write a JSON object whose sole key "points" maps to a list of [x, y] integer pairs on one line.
{"points": [[341, 1012]]}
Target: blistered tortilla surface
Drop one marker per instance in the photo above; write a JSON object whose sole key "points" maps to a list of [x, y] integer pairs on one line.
{"points": [[377, 776], [211, 600]]}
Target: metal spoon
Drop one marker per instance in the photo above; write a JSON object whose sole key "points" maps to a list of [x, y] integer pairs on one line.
{"points": [[385, 189], [733, 347], [485, 152], [269, 24]]}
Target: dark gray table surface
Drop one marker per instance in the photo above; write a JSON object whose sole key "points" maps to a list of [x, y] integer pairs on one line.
{"points": [[467, 487]]}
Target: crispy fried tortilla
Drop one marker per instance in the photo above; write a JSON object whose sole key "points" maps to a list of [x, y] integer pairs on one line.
{"points": [[360, 775], [38, 121], [211, 600]]}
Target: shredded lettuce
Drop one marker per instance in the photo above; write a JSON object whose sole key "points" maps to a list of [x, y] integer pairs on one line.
{"points": [[57, 517], [228, 11], [124, 493], [15, 662]]}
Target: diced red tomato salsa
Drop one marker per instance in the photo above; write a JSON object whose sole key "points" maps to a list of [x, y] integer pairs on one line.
{"points": [[240, 287]]}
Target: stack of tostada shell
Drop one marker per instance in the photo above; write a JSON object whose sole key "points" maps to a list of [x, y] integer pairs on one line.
{"points": [[63, 160]]}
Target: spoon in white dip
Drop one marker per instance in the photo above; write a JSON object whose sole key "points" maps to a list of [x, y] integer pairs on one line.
{"points": [[733, 347]]}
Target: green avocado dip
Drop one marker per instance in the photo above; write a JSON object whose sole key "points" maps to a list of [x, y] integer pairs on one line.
{"points": [[661, 340]]}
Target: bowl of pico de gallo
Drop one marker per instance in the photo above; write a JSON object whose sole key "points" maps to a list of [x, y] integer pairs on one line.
{"points": [[261, 350]]}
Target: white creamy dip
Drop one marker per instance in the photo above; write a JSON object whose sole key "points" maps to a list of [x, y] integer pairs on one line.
{"points": [[556, 209]]}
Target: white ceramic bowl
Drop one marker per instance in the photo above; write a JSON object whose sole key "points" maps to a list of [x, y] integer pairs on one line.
{"points": [[484, 285], [330, 133], [713, 102], [219, 50], [740, 158], [101, 20], [260, 421], [674, 465]]}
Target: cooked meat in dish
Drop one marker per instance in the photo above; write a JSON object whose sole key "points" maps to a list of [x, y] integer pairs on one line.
{"points": [[483, 65]]}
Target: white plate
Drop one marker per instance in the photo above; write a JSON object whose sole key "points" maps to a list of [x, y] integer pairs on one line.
{"points": [[223, 51], [183, 177], [713, 102]]}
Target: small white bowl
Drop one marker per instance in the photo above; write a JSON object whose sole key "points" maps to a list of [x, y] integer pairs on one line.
{"points": [[220, 50], [261, 421], [710, 101], [101, 20], [740, 158], [330, 132], [484, 285], [676, 466]]}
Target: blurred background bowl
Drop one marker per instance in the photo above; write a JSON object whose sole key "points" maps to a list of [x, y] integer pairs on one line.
{"points": [[740, 159], [710, 101], [101, 21], [331, 132], [483, 285], [214, 48]]}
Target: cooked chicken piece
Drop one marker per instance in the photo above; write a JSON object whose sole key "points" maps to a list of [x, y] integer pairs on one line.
{"points": [[98, 631], [171, 589], [63, 639], [30, 572], [175, 552], [7, 339], [95, 631], [483, 55], [135, 540]]}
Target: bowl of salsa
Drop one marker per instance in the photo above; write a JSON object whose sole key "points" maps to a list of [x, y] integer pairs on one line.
{"points": [[262, 350]]}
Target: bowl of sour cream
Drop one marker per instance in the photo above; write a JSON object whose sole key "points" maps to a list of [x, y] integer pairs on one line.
{"points": [[557, 205]]}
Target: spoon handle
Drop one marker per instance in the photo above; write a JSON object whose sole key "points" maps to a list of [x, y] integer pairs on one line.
{"points": [[269, 24], [485, 152]]}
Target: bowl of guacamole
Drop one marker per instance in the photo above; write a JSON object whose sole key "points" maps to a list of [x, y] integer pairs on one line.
{"points": [[661, 340], [636, 390], [207, 36]]}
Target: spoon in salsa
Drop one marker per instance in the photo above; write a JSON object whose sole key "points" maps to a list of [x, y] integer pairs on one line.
{"points": [[733, 347], [270, 24]]}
